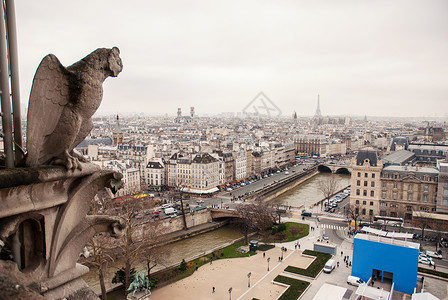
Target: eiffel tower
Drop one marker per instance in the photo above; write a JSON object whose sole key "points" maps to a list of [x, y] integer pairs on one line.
{"points": [[318, 114]]}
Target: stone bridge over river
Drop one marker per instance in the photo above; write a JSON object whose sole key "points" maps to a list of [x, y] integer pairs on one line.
{"points": [[338, 167]]}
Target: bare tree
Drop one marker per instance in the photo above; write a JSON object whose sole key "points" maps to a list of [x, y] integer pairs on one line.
{"points": [[181, 197], [279, 212], [419, 219], [153, 253], [439, 227], [328, 186], [353, 213], [100, 248], [255, 216], [132, 240]]}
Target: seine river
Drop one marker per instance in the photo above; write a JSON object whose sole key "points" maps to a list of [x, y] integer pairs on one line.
{"points": [[306, 194]]}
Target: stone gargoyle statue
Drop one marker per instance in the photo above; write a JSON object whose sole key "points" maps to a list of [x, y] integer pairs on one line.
{"points": [[61, 105]]}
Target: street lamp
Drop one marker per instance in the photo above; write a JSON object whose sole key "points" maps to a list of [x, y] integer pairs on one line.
{"points": [[248, 277], [268, 262], [230, 293]]}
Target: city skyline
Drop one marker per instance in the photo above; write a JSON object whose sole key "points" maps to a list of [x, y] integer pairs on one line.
{"points": [[382, 59]]}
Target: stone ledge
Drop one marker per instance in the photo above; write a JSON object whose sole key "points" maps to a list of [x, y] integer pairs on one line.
{"points": [[25, 176]]}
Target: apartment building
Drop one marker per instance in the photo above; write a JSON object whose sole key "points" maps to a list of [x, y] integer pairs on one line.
{"points": [[442, 187], [405, 189], [365, 183], [155, 173], [239, 164], [204, 173]]}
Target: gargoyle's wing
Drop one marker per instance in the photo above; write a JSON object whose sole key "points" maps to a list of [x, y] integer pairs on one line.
{"points": [[49, 95]]}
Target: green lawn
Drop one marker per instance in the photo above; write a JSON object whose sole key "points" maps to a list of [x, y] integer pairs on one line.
{"points": [[315, 267], [296, 287], [295, 231], [173, 275], [292, 232]]}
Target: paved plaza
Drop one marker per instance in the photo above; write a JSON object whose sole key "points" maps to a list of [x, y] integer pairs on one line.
{"points": [[233, 273]]}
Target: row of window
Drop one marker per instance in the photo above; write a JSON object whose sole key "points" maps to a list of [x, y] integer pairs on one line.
{"points": [[410, 196], [364, 202], [410, 186], [364, 193], [366, 183], [366, 175], [363, 211]]}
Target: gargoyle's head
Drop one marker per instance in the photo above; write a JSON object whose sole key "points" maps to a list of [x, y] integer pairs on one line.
{"points": [[114, 61]]}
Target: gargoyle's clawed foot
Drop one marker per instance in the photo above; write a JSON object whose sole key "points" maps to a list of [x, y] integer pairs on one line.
{"points": [[78, 156], [68, 161]]}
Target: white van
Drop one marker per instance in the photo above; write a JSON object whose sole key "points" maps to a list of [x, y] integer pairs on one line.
{"points": [[353, 280], [329, 266]]}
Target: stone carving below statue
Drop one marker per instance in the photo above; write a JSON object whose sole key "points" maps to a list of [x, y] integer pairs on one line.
{"points": [[62, 102]]}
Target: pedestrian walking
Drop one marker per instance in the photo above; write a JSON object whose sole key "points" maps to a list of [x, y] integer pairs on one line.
{"points": [[337, 264], [342, 253], [299, 246], [295, 246], [211, 260], [213, 289], [264, 254]]}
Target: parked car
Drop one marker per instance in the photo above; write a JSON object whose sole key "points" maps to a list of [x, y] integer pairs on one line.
{"points": [[325, 237], [433, 254], [199, 201], [170, 211], [306, 214], [425, 260], [353, 280], [332, 210]]}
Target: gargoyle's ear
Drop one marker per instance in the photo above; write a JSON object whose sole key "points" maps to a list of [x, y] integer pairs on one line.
{"points": [[114, 61]]}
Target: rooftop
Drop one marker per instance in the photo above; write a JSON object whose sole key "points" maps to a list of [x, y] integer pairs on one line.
{"points": [[385, 240]]}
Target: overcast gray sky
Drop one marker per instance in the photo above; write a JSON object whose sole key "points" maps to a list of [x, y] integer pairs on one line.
{"points": [[382, 57]]}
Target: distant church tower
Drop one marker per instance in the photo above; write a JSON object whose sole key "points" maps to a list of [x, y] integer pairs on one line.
{"points": [[294, 115], [117, 135], [179, 112]]}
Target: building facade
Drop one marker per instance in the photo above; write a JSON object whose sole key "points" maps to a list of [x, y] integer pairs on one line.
{"points": [[365, 184], [405, 189]]}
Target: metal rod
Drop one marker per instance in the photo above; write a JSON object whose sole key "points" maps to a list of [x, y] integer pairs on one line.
{"points": [[15, 87], [5, 98]]}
